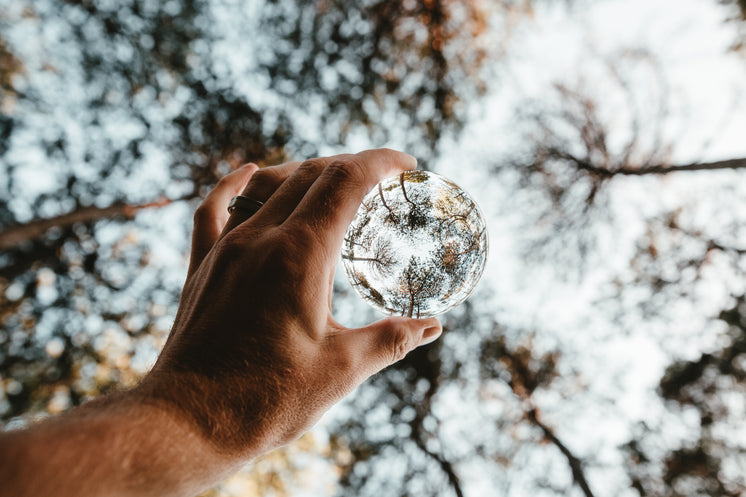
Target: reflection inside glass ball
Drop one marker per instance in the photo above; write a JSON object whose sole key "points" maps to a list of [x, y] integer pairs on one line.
{"points": [[417, 245]]}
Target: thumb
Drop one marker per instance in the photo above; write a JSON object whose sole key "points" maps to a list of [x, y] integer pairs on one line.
{"points": [[380, 344]]}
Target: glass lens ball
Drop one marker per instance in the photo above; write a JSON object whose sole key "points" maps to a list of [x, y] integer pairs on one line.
{"points": [[417, 246]]}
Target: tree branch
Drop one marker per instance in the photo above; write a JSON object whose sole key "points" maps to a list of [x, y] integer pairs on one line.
{"points": [[697, 166], [647, 170], [445, 464], [523, 382], [383, 199], [713, 245], [19, 234], [404, 190], [373, 260], [420, 433], [576, 465]]}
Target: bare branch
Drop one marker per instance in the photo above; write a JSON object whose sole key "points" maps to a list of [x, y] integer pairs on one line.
{"points": [[523, 380], [697, 166], [404, 191], [629, 170], [714, 245], [383, 200], [17, 235], [444, 463], [420, 433], [576, 465]]}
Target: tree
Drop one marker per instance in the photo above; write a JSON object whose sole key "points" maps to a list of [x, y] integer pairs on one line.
{"points": [[713, 386], [149, 94], [411, 64], [111, 132], [738, 16], [573, 155], [576, 164], [134, 111], [133, 62], [577, 159], [380, 257]]}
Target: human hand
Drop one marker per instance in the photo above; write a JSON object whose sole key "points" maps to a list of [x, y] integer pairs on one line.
{"points": [[255, 357]]}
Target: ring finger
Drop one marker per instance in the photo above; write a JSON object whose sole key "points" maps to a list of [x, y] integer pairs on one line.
{"points": [[261, 187]]}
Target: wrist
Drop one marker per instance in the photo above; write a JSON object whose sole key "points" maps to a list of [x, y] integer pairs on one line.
{"points": [[229, 417], [180, 454]]}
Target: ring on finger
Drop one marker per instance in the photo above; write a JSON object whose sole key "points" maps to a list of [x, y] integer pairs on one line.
{"points": [[247, 205]]}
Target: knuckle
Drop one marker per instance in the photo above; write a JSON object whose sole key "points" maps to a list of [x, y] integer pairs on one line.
{"points": [[349, 170], [263, 182], [310, 169], [312, 164], [398, 344], [223, 181], [204, 212]]}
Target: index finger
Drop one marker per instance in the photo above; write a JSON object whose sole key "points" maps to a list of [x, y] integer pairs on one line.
{"points": [[332, 201]]}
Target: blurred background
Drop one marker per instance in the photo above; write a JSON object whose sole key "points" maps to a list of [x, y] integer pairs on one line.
{"points": [[604, 352]]}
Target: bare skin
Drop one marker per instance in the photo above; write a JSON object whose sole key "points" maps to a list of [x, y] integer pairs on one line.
{"points": [[254, 357]]}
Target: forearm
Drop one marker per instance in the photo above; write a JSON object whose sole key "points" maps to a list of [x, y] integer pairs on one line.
{"points": [[114, 446]]}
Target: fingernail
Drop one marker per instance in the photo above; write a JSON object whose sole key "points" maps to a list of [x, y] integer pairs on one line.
{"points": [[431, 334]]}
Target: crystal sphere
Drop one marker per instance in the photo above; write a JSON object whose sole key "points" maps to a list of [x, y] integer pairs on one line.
{"points": [[417, 245]]}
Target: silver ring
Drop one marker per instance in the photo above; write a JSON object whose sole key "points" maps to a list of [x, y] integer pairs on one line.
{"points": [[244, 204]]}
